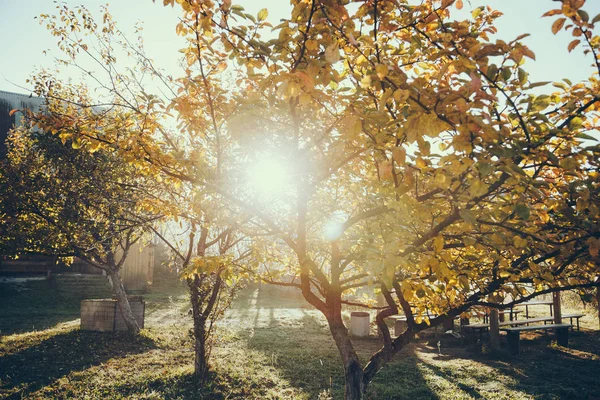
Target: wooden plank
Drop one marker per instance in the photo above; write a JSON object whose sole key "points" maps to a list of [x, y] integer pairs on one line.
{"points": [[535, 327]]}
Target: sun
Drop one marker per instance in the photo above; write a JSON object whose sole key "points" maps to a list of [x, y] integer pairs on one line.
{"points": [[269, 177]]}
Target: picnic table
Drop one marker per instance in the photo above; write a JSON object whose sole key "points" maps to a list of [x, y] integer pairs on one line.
{"points": [[535, 303], [501, 313], [522, 323], [513, 334]]}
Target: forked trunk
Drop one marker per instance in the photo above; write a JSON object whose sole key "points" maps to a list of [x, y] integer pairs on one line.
{"points": [[123, 302], [353, 373]]}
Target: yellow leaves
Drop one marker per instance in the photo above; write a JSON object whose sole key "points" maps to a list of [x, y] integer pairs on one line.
{"points": [[332, 53], [438, 244], [204, 265], [77, 144], [351, 126], [401, 95], [381, 70], [407, 290], [519, 242], [365, 82], [558, 24], [421, 162], [478, 188], [262, 14], [423, 124], [569, 163]]}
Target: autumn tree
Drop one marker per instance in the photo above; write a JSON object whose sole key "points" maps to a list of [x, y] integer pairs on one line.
{"points": [[171, 130], [57, 200], [361, 98]]}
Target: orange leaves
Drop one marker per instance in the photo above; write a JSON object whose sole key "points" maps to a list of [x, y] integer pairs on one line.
{"points": [[459, 4], [573, 44], [551, 13], [11, 112], [558, 24]]}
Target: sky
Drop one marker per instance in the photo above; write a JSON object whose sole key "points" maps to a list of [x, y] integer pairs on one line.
{"points": [[24, 40]]}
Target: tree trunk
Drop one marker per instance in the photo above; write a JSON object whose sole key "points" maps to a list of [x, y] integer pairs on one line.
{"points": [[123, 302], [557, 308], [494, 329], [353, 373], [200, 354]]}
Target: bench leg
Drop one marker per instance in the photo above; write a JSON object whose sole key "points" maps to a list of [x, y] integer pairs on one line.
{"points": [[513, 339], [562, 337]]}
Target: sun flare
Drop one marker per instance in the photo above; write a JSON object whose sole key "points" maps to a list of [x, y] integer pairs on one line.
{"points": [[269, 177]]}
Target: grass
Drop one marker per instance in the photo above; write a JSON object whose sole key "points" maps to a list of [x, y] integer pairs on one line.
{"points": [[270, 345]]}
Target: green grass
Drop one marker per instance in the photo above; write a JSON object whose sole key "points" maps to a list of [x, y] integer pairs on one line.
{"points": [[271, 345]]}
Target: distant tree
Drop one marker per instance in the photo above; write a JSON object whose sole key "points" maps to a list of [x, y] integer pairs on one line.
{"points": [[60, 201]]}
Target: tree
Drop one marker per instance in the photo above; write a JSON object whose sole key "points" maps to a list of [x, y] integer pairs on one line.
{"points": [[365, 94], [57, 200], [359, 96], [137, 126]]}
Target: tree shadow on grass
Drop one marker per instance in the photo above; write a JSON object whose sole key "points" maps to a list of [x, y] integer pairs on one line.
{"points": [[33, 306], [541, 370], [306, 355], [36, 365]]}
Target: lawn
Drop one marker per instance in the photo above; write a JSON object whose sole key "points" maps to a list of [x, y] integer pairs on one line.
{"points": [[270, 345]]}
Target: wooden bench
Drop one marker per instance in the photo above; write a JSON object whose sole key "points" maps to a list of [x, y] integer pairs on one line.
{"points": [[484, 327], [571, 316], [526, 321], [513, 334]]}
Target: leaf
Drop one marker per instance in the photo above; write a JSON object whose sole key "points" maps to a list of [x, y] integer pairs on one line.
{"points": [[262, 14], [399, 155], [438, 244], [573, 44], [459, 4], [11, 112], [522, 211], [332, 53], [365, 82], [558, 24], [381, 70], [311, 44], [596, 19], [586, 136], [550, 13], [468, 216]]}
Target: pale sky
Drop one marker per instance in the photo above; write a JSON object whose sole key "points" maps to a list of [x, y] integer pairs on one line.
{"points": [[23, 39]]}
